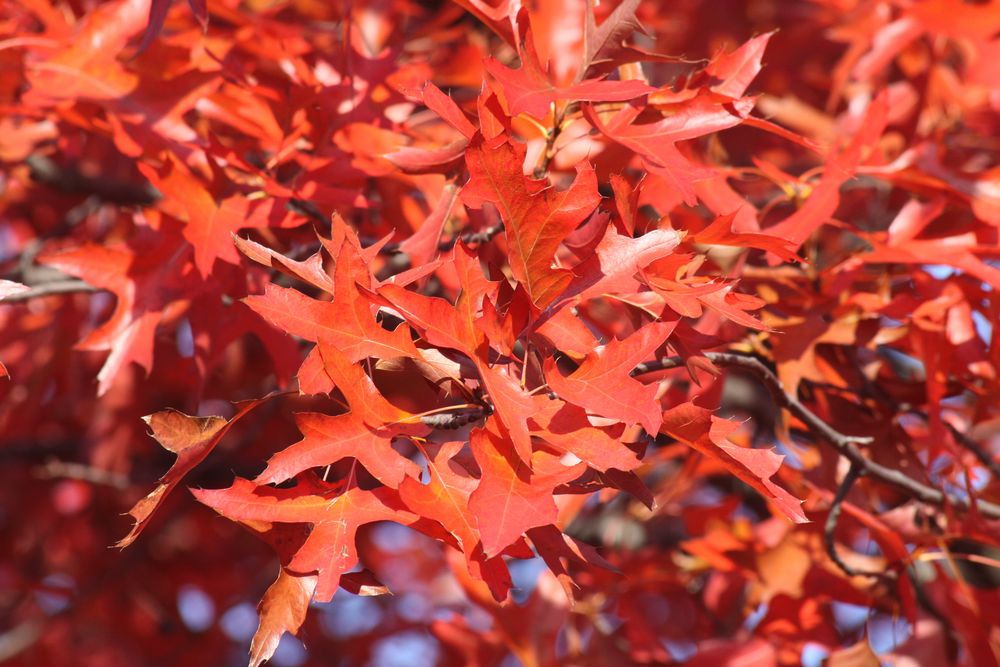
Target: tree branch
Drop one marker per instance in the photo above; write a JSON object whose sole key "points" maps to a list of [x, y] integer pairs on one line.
{"points": [[71, 180], [50, 289], [56, 469], [981, 454], [473, 238], [847, 445], [830, 527], [986, 459]]}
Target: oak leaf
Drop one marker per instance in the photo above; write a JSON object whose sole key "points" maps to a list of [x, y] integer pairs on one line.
{"points": [[191, 439], [602, 383], [709, 435], [445, 499], [511, 497], [330, 549], [536, 219], [282, 609]]}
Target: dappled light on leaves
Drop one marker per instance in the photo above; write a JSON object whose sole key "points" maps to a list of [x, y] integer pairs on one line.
{"points": [[481, 333]]}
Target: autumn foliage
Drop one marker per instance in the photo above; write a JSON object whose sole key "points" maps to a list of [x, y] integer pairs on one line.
{"points": [[500, 333]]}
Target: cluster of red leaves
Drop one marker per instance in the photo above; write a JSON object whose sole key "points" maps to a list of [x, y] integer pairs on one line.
{"points": [[448, 239]]}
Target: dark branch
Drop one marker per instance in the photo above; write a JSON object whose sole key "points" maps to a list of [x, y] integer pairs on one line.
{"points": [[455, 420], [542, 170], [830, 527], [473, 238], [981, 454], [847, 445], [72, 181]]}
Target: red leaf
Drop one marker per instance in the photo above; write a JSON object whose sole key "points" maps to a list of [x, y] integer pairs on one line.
{"points": [[200, 10], [499, 18], [602, 383], [558, 550], [446, 108], [612, 268], [330, 548], [445, 499], [309, 271], [282, 609], [720, 232], [143, 277], [566, 428], [442, 160], [510, 498], [529, 90], [192, 439], [823, 201], [457, 327], [735, 70], [655, 142], [733, 306], [326, 368], [604, 43], [209, 226], [422, 246], [329, 439], [536, 219], [708, 434], [346, 323], [157, 14]]}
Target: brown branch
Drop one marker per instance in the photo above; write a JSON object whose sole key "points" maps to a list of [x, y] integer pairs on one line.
{"points": [[307, 209], [50, 289], [847, 445], [981, 454], [830, 527], [56, 469], [473, 238], [987, 460], [550, 141], [542, 170], [70, 180]]}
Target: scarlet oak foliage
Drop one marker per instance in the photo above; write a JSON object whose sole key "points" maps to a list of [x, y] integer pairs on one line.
{"points": [[142, 291], [709, 434], [618, 333], [530, 89], [512, 498], [329, 439], [536, 221], [282, 609], [602, 384], [191, 439], [335, 517]]}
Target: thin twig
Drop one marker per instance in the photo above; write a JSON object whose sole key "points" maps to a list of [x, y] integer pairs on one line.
{"points": [[830, 527], [550, 140], [874, 391], [473, 238], [50, 289], [981, 454], [307, 209], [550, 143], [71, 180], [847, 445], [56, 469]]}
